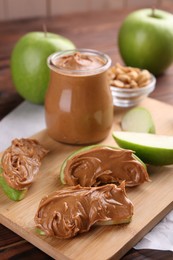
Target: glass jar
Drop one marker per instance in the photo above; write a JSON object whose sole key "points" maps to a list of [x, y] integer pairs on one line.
{"points": [[78, 103]]}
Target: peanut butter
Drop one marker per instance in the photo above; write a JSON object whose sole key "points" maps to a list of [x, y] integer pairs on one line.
{"points": [[79, 61], [68, 212], [78, 105], [103, 164], [21, 162]]}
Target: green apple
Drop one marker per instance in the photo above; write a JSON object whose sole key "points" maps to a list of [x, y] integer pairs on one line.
{"points": [[13, 194], [150, 148], [29, 69], [138, 119], [145, 40]]}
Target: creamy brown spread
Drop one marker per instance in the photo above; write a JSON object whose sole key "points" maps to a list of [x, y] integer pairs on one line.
{"points": [[79, 61], [68, 212], [21, 162], [78, 106], [104, 165]]}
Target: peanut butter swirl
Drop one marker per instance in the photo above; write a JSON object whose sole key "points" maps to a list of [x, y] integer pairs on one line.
{"points": [[101, 165], [79, 61], [68, 212], [21, 162]]}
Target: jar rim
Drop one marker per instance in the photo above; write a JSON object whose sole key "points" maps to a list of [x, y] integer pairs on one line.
{"points": [[54, 56]]}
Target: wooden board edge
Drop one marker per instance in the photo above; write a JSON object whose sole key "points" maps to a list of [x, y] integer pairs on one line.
{"points": [[131, 243], [42, 245], [32, 238]]}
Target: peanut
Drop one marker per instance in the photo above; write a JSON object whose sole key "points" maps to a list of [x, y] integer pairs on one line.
{"points": [[128, 77]]}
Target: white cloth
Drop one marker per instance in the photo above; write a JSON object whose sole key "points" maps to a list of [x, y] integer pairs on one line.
{"points": [[28, 119], [24, 121], [160, 237]]}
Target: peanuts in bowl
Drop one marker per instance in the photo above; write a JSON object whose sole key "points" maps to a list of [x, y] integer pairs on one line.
{"points": [[129, 85]]}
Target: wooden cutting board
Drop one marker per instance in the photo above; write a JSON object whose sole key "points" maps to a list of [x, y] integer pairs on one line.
{"points": [[152, 201]]}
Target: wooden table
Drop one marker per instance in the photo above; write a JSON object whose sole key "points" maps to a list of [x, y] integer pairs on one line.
{"points": [[90, 30]]}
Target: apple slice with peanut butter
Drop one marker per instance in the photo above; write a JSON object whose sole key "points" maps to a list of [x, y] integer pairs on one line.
{"points": [[73, 210], [20, 164], [99, 164]]}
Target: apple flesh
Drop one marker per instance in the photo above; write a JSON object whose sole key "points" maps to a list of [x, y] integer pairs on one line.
{"points": [[138, 119], [145, 40], [150, 148], [29, 69]]}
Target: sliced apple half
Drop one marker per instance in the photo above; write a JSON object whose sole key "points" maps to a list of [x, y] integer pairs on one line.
{"points": [[138, 119], [150, 148]]}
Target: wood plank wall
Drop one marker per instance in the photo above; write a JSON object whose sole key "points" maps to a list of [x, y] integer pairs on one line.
{"points": [[16, 9]]}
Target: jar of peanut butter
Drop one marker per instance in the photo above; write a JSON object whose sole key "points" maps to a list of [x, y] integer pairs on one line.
{"points": [[78, 104]]}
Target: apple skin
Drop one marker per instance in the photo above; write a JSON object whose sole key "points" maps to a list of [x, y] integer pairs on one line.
{"points": [[146, 41], [29, 70]]}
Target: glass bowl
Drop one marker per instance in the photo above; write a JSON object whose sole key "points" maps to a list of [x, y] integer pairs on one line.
{"points": [[124, 97]]}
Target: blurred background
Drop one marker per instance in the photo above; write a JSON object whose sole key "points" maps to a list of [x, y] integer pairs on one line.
{"points": [[16, 9]]}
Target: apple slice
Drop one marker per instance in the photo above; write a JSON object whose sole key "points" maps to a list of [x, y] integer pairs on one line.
{"points": [[13, 194], [152, 149], [138, 119], [92, 169]]}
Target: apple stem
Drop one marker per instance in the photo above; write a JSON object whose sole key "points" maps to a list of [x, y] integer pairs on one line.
{"points": [[45, 30], [153, 12]]}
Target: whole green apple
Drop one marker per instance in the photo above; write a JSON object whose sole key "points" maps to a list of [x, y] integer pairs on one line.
{"points": [[145, 40], [29, 69]]}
